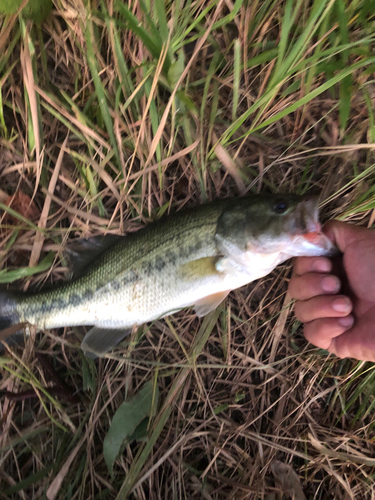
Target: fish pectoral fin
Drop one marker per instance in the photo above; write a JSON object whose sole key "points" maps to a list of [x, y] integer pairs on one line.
{"points": [[199, 268], [209, 303], [99, 341]]}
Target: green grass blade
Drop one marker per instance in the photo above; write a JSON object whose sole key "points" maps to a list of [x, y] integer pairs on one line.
{"points": [[150, 25], [154, 116], [103, 104], [262, 58], [317, 16], [301, 102], [346, 88], [161, 16], [29, 481], [20, 217], [123, 70], [314, 93], [287, 23], [371, 116], [178, 42], [236, 77], [26, 272], [155, 48], [347, 83]]}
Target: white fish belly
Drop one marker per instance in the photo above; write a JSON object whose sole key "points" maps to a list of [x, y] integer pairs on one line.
{"points": [[150, 299], [120, 305], [153, 297]]}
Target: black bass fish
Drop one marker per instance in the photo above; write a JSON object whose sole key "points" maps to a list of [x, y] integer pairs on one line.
{"points": [[192, 258]]}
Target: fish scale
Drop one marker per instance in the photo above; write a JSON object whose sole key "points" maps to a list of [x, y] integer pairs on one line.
{"points": [[137, 261], [193, 258]]}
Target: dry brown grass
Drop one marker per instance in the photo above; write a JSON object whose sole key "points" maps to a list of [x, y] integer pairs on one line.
{"points": [[255, 391]]}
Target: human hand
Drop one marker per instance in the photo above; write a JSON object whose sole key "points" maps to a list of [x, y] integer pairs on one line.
{"points": [[343, 323]]}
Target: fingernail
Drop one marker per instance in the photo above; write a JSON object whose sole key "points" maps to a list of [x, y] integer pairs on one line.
{"points": [[330, 284], [322, 265], [341, 305], [346, 321]]}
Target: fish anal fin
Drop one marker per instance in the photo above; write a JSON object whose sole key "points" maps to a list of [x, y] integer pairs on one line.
{"points": [[209, 303], [98, 341]]}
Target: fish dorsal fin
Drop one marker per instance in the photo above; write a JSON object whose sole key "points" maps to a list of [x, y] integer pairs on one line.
{"points": [[209, 303], [99, 341], [80, 253]]}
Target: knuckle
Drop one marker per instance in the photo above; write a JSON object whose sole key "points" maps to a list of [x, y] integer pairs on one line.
{"points": [[320, 328], [315, 332], [309, 332], [293, 287], [305, 287], [300, 310], [302, 264]]}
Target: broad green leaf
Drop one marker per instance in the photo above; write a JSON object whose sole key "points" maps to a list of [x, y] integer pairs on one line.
{"points": [[164, 413], [126, 420], [140, 433]]}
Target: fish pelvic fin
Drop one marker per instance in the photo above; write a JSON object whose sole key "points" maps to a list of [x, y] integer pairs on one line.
{"points": [[98, 341], [209, 303]]}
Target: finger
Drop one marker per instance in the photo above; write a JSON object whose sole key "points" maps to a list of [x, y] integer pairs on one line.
{"points": [[303, 265], [321, 331], [311, 284], [323, 306], [343, 234], [357, 342]]}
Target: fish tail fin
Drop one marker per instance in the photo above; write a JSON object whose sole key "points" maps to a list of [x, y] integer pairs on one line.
{"points": [[9, 317]]}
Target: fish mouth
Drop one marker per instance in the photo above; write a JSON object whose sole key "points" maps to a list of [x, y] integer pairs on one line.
{"points": [[306, 226], [306, 216]]}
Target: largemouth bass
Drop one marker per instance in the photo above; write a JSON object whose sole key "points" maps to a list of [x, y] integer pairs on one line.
{"points": [[193, 258]]}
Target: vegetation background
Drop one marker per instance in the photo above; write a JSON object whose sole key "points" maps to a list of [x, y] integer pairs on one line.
{"points": [[115, 113]]}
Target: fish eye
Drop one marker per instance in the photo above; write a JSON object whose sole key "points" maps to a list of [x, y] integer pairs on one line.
{"points": [[280, 207]]}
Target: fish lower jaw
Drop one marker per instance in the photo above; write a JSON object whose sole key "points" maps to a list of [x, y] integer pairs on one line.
{"points": [[319, 245]]}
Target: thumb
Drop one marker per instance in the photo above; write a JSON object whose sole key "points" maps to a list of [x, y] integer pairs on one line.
{"points": [[343, 234]]}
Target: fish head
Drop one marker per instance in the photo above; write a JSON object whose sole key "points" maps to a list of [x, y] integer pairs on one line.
{"points": [[282, 225], [289, 224], [305, 230]]}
